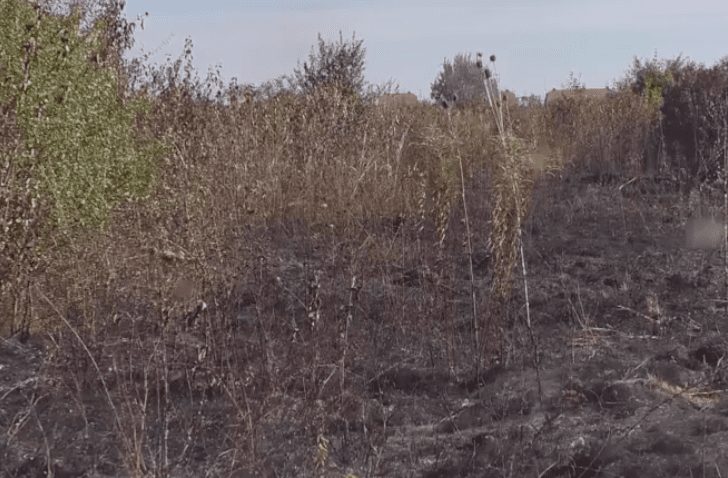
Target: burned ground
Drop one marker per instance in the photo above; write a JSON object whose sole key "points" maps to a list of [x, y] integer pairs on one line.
{"points": [[628, 376]]}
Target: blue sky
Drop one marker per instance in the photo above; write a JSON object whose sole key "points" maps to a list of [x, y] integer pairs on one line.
{"points": [[538, 42]]}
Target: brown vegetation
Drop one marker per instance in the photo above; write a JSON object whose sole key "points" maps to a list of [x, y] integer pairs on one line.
{"points": [[397, 100], [319, 286], [555, 95]]}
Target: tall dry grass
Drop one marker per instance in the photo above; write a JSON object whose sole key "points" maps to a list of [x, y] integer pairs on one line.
{"points": [[293, 249], [606, 136], [273, 254]]}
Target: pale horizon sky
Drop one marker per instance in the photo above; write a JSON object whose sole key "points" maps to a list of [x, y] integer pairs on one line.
{"points": [[538, 42]]}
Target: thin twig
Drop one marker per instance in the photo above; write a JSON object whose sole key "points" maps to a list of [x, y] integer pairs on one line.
{"points": [[32, 403], [529, 325], [725, 207], [469, 240], [117, 419], [348, 319]]}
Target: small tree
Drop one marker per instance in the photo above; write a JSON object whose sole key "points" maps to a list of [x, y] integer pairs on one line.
{"points": [[79, 142], [69, 147], [460, 82], [338, 65]]}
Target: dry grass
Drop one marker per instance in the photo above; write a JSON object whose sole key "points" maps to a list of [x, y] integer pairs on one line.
{"points": [[244, 275], [273, 265], [246, 261], [605, 136]]}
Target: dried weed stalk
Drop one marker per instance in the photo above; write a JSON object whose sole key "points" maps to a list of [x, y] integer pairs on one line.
{"points": [[513, 175]]}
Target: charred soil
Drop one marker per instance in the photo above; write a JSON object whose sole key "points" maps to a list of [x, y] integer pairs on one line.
{"points": [[628, 377]]}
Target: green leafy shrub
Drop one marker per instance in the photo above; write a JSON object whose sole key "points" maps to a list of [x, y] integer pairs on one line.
{"points": [[70, 149], [79, 141]]}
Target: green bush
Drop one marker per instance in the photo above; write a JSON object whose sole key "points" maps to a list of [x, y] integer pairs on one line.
{"points": [[78, 139]]}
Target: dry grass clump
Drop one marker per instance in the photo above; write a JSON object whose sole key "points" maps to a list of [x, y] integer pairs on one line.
{"points": [[604, 136], [326, 157], [517, 163], [457, 149]]}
